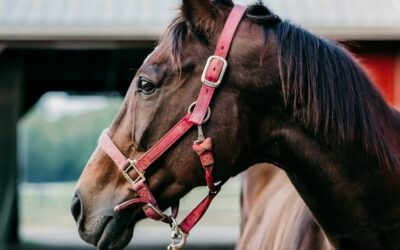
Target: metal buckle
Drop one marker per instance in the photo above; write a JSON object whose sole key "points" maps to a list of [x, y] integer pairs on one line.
{"points": [[221, 75], [156, 209], [132, 165]]}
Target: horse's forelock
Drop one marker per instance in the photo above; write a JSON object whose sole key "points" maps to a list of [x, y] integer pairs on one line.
{"points": [[169, 47]]}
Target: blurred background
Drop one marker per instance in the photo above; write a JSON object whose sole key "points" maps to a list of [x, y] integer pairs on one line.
{"points": [[65, 66]]}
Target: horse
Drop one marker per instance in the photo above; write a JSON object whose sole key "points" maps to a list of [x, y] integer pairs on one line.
{"points": [[273, 214], [288, 98]]}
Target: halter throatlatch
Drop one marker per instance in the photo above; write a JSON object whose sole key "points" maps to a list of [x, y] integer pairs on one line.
{"points": [[198, 113]]}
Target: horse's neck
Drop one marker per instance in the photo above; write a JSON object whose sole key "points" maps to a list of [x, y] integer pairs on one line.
{"points": [[354, 199]]}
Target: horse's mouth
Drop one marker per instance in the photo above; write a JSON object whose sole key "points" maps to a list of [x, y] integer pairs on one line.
{"points": [[113, 235], [110, 233], [102, 236], [117, 231], [93, 237]]}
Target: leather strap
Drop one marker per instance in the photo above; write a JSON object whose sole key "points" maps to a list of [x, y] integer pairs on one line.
{"points": [[164, 143], [197, 213], [204, 151], [215, 67], [231, 25], [112, 151]]}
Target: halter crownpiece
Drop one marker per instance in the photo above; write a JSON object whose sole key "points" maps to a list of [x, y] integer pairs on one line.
{"points": [[211, 78]]}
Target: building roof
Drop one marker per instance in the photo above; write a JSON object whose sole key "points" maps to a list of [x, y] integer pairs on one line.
{"points": [[146, 19]]}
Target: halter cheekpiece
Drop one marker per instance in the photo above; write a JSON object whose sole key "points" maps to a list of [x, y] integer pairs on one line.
{"points": [[198, 113]]}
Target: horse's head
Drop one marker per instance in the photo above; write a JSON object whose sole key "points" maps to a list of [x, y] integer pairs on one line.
{"points": [[160, 94]]}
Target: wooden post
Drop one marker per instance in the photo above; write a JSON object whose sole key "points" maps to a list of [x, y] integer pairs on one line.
{"points": [[10, 86]]}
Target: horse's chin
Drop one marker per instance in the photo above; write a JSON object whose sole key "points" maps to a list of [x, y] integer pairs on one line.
{"points": [[114, 236]]}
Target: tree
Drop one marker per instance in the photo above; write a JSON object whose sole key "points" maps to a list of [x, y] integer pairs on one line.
{"points": [[53, 151]]}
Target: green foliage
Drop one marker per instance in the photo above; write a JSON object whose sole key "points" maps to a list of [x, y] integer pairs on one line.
{"points": [[52, 151]]}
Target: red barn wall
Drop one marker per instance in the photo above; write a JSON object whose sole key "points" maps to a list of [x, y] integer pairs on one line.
{"points": [[396, 87], [380, 68], [382, 62]]}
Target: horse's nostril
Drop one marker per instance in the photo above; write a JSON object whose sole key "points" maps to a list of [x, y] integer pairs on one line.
{"points": [[76, 208]]}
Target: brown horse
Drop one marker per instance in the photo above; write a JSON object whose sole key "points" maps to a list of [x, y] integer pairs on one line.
{"points": [[288, 98]]}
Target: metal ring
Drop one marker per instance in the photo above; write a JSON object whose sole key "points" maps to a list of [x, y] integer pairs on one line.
{"points": [[208, 114]]}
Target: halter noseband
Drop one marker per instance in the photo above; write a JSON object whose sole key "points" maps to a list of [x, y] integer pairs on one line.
{"points": [[198, 113]]}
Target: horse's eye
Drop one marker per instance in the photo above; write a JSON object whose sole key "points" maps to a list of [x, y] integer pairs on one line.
{"points": [[146, 87]]}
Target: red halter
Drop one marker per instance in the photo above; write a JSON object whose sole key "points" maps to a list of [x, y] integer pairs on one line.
{"points": [[211, 78]]}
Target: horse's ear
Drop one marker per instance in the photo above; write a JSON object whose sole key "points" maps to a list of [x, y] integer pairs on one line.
{"points": [[201, 15]]}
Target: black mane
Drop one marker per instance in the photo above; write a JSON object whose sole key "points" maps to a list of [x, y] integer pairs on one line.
{"points": [[328, 92]]}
